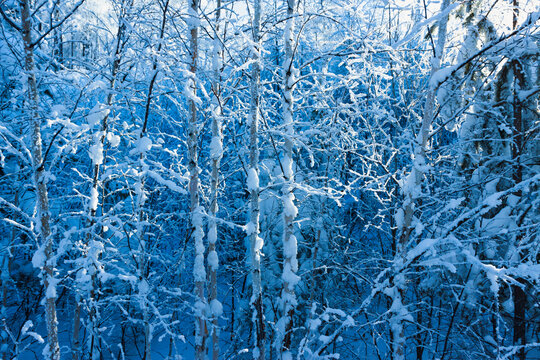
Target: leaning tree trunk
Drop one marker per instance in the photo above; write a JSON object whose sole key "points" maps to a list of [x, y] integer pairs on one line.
{"points": [[411, 192], [42, 200], [290, 262], [216, 152], [255, 242], [199, 271]]}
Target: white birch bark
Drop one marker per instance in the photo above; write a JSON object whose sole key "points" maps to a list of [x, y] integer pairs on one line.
{"points": [[255, 242], [216, 153], [53, 349], [290, 262], [412, 189], [199, 271]]}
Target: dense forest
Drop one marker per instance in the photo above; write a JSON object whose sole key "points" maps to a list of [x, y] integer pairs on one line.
{"points": [[270, 179]]}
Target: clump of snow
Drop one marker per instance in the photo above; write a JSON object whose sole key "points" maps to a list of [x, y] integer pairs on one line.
{"points": [[96, 153], [94, 196], [165, 182], [349, 321], [287, 164], [144, 144], [216, 308], [500, 223], [259, 243], [409, 186], [213, 260], [250, 228], [418, 227], [424, 246], [190, 90], [98, 113], [141, 193], [94, 251], [493, 200], [492, 273], [39, 258], [199, 272], [252, 180], [212, 234], [114, 140], [289, 277], [51, 288], [440, 76], [98, 84], [289, 209], [83, 279], [453, 203], [400, 311], [199, 308], [442, 95], [58, 110]]}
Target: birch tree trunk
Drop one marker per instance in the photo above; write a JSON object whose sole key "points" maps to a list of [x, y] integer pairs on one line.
{"points": [[43, 226], [255, 242], [412, 189], [199, 271], [216, 152], [290, 262]]}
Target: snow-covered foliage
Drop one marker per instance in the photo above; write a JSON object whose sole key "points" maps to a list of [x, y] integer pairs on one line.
{"points": [[345, 179]]}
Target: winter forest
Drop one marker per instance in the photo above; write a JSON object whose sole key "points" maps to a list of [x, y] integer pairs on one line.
{"points": [[270, 179]]}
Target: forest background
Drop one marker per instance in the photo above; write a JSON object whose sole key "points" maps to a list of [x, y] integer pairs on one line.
{"points": [[269, 179]]}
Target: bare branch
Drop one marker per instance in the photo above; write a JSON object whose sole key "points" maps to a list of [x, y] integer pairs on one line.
{"points": [[58, 24]]}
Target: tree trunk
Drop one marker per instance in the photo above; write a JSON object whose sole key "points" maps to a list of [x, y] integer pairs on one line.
{"points": [[216, 152], [42, 200], [76, 344], [290, 262], [256, 242], [411, 193], [199, 271]]}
